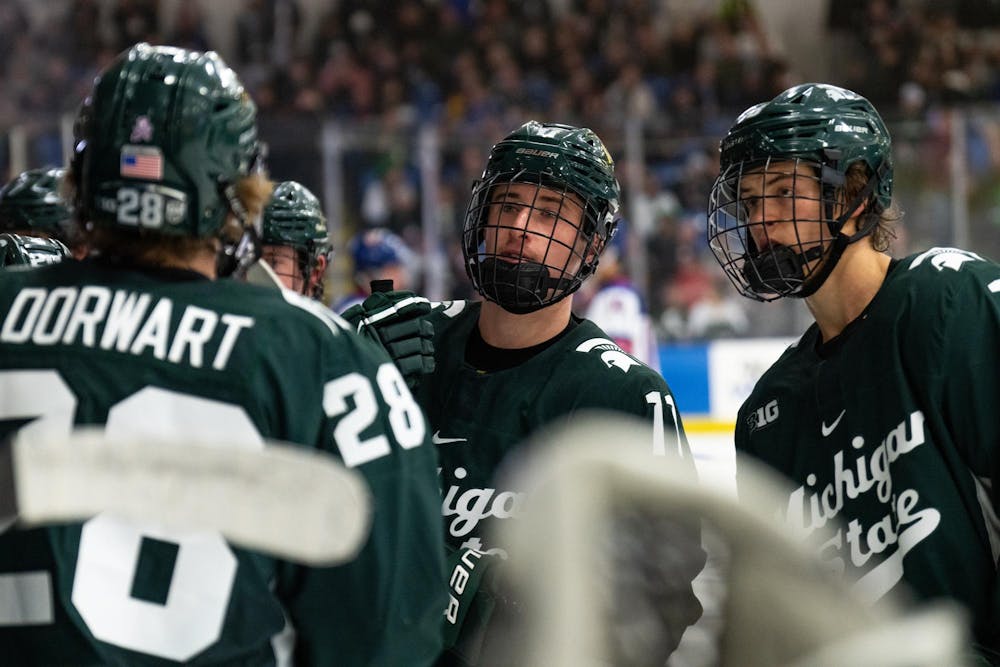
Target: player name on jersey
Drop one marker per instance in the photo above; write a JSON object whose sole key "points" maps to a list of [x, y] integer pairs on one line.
{"points": [[127, 321]]}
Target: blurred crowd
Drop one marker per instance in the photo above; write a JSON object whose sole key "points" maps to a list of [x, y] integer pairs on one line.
{"points": [[477, 68], [470, 62]]}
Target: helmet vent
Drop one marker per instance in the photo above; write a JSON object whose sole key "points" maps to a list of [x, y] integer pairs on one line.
{"points": [[798, 99], [157, 72]]}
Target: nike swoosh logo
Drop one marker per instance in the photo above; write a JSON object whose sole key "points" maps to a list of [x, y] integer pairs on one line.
{"points": [[438, 440], [827, 430]]}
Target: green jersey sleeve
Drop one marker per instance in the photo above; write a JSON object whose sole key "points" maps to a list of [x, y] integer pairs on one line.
{"points": [[373, 423], [963, 356], [966, 358]]}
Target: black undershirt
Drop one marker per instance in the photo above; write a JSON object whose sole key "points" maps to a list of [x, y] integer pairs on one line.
{"points": [[487, 359]]}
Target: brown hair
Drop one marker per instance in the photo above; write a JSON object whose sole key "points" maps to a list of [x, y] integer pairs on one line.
{"points": [[885, 228]]}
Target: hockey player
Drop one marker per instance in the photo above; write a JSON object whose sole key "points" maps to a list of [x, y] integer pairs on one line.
{"points": [[377, 254], [18, 250], [295, 240], [882, 413], [141, 339], [32, 205], [539, 218]]}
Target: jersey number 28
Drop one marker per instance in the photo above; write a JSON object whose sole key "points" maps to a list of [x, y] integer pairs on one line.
{"points": [[191, 617]]}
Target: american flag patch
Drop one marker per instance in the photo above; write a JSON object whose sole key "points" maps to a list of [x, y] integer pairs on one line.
{"points": [[141, 162]]}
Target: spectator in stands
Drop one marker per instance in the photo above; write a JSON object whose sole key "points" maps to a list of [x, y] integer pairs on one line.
{"points": [[135, 21], [189, 27], [716, 314], [377, 254], [617, 307]]}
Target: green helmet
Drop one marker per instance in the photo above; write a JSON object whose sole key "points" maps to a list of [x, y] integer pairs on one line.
{"points": [[826, 128], [160, 141], [18, 249], [293, 217], [31, 202], [571, 161]]}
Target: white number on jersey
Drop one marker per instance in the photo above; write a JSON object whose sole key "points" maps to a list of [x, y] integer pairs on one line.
{"points": [[193, 614], [656, 399]]}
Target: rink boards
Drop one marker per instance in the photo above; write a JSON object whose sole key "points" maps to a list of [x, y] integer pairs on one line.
{"points": [[710, 381]]}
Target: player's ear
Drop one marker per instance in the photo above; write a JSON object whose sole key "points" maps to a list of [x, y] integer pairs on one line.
{"points": [[858, 212], [318, 270], [596, 248]]}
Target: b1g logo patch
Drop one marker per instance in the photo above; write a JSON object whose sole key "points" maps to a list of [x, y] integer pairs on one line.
{"points": [[611, 354], [762, 416]]}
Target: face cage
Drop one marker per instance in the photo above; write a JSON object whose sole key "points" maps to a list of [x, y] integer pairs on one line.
{"points": [[308, 259], [305, 260], [526, 275], [737, 213]]}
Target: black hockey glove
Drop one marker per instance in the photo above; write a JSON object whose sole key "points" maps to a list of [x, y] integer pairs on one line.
{"points": [[395, 321], [482, 623]]}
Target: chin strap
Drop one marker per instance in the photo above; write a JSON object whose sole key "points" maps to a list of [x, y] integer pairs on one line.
{"points": [[779, 270], [235, 257], [237, 254], [520, 287]]}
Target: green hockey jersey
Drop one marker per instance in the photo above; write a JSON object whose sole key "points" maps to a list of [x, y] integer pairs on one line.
{"points": [[479, 419], [169, 353], [890, 436]]}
